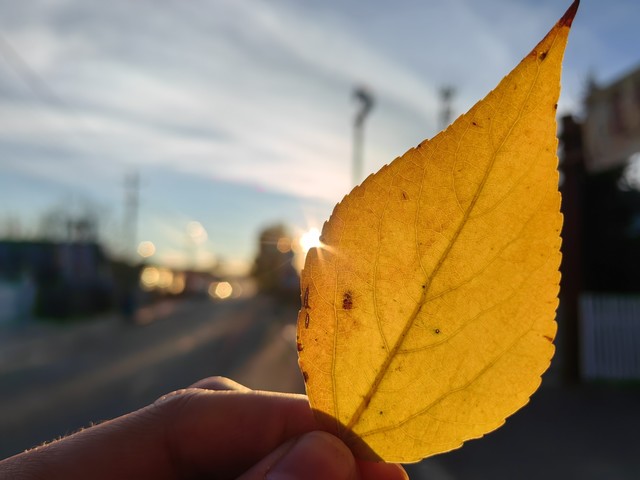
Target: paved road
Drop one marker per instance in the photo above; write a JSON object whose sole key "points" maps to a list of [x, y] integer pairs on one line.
{"points": [[112, 368], [587, 433]]}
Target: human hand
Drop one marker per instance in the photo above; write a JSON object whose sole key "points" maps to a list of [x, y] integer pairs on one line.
{"points": [[217, 428]]}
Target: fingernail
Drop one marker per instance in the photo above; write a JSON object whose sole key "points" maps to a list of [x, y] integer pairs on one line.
{"points": [[316, 455]]}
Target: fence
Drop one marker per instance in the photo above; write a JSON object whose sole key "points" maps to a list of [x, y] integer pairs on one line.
{"points": [[610, 337]]}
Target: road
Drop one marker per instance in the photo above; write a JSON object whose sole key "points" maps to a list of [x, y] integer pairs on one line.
{"points": [[66, 382], [564, 433], [114, 367]]}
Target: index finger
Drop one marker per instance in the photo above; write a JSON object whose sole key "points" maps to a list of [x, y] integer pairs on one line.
{"points": [[184, 434], [227, 432]]}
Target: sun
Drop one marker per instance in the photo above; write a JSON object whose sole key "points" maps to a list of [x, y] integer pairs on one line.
{"points": [[310, 239]]}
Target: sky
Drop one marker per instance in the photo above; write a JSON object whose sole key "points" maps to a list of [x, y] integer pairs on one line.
{"points": [[238, 114]]}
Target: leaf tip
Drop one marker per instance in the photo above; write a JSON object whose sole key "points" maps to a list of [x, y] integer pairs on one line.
{"points": [[567, 18]]}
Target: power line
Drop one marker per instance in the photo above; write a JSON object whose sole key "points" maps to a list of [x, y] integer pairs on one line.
{"points": [[29, 77], [43, 91], [57, 107]]}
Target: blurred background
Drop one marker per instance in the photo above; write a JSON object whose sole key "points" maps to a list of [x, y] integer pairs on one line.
{"points": [[165, 165]]}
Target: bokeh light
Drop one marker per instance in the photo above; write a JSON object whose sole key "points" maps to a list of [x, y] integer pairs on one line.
{"points": [[197, 232], [149, 278], [178, 284], [284, 245], [220, 290], [146, 249]]}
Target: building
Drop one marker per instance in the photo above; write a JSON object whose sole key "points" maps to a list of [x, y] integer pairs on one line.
{"points": [[60, 279], [599, 325], [611, 128]]}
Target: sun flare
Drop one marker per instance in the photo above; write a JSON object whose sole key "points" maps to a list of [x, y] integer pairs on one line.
{"points": [[310, 239]]}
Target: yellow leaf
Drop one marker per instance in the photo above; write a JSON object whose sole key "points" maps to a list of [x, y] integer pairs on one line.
{"points": [[428, 313]]}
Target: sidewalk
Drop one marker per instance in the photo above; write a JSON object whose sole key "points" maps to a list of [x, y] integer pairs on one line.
{"points": [[36, 342], [586, 432], [116, 367], [33, 343]]}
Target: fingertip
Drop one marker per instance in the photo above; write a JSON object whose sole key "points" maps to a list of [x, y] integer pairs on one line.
{"points": [[312, 456], [218, 383], [315, 455]]}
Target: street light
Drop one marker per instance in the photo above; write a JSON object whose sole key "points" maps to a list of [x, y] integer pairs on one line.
{"points": [[446, 112], [365, 99]]}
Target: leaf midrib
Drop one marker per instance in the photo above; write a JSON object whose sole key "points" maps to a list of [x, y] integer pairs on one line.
{"points": [[366, 399]]}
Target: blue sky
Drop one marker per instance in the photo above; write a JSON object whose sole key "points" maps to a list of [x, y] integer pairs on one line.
{"points": [[237, 114]]}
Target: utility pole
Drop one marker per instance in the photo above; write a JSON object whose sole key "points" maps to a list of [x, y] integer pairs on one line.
{"points": [[446, 112], [131, 201], [366, 102]]}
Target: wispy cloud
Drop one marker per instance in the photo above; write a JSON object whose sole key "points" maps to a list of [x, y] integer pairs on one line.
{"points": [[258, 93], [261, 97]]}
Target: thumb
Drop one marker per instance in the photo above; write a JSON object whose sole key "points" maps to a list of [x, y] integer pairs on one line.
{"points": [[314, 455]]}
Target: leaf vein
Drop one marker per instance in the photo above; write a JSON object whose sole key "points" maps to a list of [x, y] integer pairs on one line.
{"points": [[400, 340]]}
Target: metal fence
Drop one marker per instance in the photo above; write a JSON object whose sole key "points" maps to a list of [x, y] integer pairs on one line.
{"points": [[610, 337]]}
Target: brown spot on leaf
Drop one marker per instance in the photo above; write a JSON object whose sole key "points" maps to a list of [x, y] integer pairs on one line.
{"points": [[305, 375], [306, 321], [300, 347], [405, 196], [347, 301], [543, 55], [548, 338], [555, 107], [305, 302], [437, 331]]}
